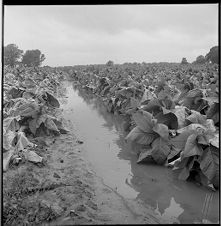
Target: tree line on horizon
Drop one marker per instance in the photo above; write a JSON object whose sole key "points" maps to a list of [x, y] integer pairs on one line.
{"points": [[13, 56], [212, 57]]}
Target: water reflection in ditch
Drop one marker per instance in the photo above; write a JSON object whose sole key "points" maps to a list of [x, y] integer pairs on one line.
{"points": [[115, 161]]}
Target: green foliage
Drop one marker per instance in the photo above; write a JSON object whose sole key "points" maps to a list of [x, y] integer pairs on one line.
{"points": [[12, 54], [33, 58]]}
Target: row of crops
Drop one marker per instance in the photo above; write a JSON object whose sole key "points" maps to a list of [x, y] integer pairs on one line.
{"points": [[31, 111], [173, 112]]}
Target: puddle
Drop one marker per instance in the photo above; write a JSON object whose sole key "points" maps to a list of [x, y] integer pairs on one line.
{"points": [[115, 161]]}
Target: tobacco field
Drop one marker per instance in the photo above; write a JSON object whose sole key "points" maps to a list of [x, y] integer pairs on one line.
{"points": [[171, 109], [30, 110]]}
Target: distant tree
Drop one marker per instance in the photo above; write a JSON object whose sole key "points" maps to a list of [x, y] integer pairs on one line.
{"points": [[12, 54], [184, 61], [33, 58], [213, 55], [200, 60], [110, 63]]}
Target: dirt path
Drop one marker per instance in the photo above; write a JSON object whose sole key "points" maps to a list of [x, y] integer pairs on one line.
{"points": [[78, 195]]}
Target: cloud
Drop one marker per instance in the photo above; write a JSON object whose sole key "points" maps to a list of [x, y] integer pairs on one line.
{"points": [[70, 35]]}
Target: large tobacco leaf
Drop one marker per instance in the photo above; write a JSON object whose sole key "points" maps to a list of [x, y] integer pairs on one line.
{"points": [[11, 123], [213, 113], [22, 141], [144, 120], [160, 150], [194, 100], [181, 113], [191, 147], [26, 108], [134, 105], [52, 100], [162, 130], [169, 119], [139, 136], [145, 156], [148, 95], [49, 122], [154, 107], [8, 138], [196, 117], [209, 164]]}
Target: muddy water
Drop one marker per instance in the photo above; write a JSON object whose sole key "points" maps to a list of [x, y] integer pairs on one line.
{"points": [[115, 161]]}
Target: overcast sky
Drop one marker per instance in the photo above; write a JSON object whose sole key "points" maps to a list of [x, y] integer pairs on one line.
{"points": [[70, 35]]}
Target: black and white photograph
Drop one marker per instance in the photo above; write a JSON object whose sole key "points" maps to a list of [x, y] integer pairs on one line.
{"points": [[110, 114]]}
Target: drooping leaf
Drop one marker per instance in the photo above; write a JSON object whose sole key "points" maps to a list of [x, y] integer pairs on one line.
{"points": [[143, 120], [139, 136], [196, 117], [153, 107], [193, 100], [168, 119], [181, 114], [213, 113], [126, 92], [160, 150], [162, 130], [61, 127], [52, 100], [6, 158], [202, 139], [8, 138], [147, 95], [28, 108], [11, 123], [167, 103], [181, 96], [41, 119], [191, 147], [209, 124], [209, 163], [49, 123], [194, 126], [33, 125], [213, 139], [22, 141], [180, 140], [145, 156]]}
